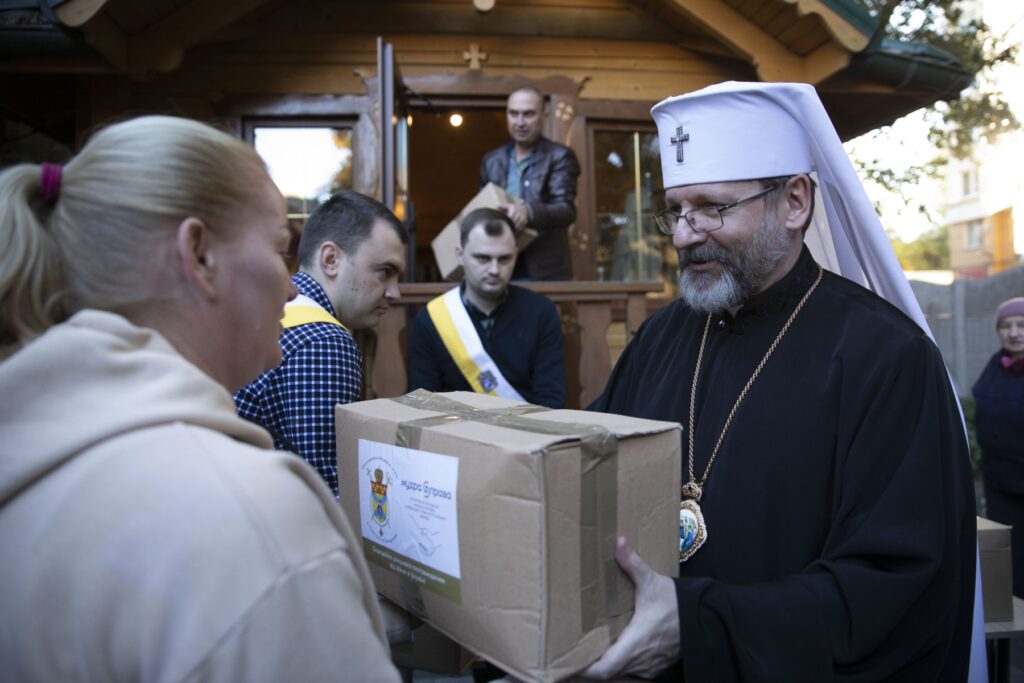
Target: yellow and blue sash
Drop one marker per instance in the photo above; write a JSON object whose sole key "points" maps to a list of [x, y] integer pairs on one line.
{"points": [[302, 310], [459, 336]]}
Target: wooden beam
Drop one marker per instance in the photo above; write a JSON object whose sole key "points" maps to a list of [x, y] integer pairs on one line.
{"points": [[825, 61], [162, 45], [840, 29], [108, 39], [74, 13], [771, 59], [619, 19]]}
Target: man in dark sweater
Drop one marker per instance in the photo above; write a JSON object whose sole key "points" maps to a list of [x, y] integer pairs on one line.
{"points": [[485, 335]]}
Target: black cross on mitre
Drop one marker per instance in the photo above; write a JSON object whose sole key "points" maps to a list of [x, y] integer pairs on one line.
{"points": [[678, 140]]}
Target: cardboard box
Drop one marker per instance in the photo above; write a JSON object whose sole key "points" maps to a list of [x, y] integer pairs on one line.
{"points": [[495, 521], [489, 197], [996, 570]]}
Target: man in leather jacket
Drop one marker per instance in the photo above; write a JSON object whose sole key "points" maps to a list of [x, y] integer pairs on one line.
{"points": [[541, 175]]}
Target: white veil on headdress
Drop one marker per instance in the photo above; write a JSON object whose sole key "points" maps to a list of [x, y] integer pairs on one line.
{"points": [[749, 131]]}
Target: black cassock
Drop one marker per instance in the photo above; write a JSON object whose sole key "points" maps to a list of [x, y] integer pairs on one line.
{"points": [[840, 508]]}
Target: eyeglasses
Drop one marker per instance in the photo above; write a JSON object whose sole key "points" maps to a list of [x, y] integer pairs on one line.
{"points": [[706, 218]]}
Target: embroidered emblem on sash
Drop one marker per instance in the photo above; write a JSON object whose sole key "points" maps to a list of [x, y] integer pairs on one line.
{"points": [[488, 381]]}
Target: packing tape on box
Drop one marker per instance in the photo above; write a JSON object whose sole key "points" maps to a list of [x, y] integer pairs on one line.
{"points": [[600, 598]]}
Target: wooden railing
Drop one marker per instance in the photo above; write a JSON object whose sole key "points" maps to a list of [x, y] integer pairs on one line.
{"points": [[587, 309]]}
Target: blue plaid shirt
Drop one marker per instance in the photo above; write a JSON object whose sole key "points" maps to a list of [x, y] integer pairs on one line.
{"points": [[295, 401]]}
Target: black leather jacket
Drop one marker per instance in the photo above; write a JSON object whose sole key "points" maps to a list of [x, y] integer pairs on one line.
{"points": [[549, 188]]}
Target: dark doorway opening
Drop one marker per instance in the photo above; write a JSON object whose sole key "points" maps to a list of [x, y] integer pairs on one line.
{"points": [[444, 169]]}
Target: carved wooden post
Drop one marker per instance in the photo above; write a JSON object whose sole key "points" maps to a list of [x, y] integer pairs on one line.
{"points": [[389, 377], [595, 363]]}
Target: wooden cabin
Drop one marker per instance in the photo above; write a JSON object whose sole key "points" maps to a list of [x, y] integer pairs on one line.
{"points": [[375, 83]]}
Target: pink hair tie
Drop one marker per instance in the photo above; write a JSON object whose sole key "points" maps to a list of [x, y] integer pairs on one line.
{"points": [[50, 178]]}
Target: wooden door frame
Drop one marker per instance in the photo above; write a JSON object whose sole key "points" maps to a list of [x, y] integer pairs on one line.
{"points": [[612, 115]]}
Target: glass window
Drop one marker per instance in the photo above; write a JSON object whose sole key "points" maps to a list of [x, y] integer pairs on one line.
{"points": [[975, 234], [307, 162], [969, 182], [628, 192]]}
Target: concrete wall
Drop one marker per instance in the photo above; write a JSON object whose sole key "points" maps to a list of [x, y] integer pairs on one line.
{"points": [[962, 319]]}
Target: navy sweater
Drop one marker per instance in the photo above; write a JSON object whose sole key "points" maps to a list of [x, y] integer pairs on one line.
{"points": [[523, 336]]}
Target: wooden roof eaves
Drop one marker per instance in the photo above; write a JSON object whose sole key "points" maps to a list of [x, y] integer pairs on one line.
{"points": [[74, 13], [161, 46], [108, 39], [772, 60], [849, 35]]}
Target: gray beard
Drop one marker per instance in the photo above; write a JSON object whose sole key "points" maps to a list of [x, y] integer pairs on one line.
{"points": [[744, 271]]}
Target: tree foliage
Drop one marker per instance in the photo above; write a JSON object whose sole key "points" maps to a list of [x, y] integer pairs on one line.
{"points": [[895, 180], [981, 112], [955, 127], [930, 251]]}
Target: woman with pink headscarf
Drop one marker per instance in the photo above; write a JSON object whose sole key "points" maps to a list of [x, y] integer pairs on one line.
{"points": [[999, 421]]}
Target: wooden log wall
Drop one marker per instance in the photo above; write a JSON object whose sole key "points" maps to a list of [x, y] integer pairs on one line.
{"points": [[610, 49]]}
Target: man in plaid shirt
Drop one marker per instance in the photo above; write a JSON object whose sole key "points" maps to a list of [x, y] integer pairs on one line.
{"points": [[351, 254]]}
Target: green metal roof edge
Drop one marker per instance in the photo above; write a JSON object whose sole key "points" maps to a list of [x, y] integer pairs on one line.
{"points": [[898, 61], [917, 49]]}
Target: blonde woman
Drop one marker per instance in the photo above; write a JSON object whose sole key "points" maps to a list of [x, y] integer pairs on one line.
{"points": [[149, 533]]}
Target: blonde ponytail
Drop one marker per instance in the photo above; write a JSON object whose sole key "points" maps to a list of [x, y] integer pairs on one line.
{"points": [[107, 239], [31, 282]]}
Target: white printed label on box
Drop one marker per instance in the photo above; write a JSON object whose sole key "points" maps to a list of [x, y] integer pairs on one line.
{"points": [[408, 514]]}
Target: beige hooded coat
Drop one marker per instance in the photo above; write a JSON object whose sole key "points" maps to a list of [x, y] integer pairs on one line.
{"points": [[147, 533]]}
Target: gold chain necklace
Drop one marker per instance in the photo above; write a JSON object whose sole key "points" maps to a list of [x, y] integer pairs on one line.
{"points": [[692, 529]]}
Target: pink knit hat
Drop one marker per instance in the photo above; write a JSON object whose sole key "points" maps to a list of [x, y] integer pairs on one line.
{"points": [[1014, 306]]}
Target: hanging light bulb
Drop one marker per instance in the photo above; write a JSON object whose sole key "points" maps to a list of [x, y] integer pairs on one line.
{"points": [[455, 119]]}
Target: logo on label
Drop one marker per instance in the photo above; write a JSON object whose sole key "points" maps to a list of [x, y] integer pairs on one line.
{"points": [[379, 497], [380, 477]]}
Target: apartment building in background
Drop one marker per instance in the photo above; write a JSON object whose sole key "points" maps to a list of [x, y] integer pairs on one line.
{"points": [[984, 195], [984, 209]]}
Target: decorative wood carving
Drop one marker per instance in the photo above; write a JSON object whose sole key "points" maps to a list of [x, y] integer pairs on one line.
{"points": [[474, 56]]}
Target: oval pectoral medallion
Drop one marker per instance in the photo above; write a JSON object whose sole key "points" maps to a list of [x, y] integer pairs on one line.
{"points": [[692, 531]]}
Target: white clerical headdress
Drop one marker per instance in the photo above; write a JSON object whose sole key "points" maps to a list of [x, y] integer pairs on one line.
{"points": [[747, 131], [730, 131]]}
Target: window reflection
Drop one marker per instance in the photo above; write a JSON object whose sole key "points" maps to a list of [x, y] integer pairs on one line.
{"points": [[308, 164], [628, 193]]}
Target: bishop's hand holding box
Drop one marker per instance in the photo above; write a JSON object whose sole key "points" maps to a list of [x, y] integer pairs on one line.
{"points": [[496, 521]]}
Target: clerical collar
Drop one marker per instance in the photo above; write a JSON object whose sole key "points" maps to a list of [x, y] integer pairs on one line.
{"points": [[789, 288]]}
